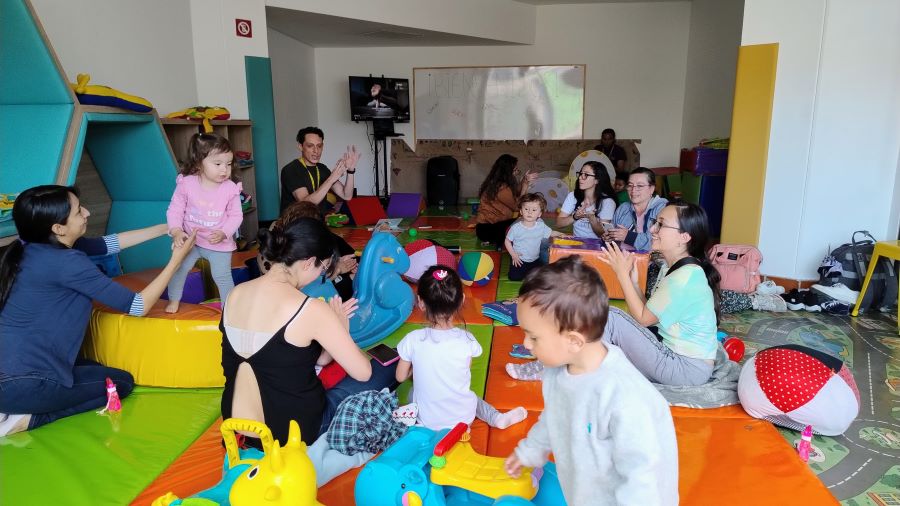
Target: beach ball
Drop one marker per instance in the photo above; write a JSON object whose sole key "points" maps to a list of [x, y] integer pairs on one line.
{"points": [[476, 268], [795, 386], [422, 255]]}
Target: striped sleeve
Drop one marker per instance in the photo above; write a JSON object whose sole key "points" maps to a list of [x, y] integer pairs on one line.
{"points": [[112, 244], [137, 305]]}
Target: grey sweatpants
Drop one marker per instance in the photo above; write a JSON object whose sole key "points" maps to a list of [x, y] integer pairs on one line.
{"points": [[219, 266], [650, 356]]}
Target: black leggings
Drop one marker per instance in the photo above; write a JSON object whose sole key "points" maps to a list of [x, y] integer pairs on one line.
{"points": [[494, 233]]}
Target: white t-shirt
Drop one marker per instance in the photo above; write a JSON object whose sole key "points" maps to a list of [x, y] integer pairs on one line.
{"points": [[582, 227], [442, 375]]}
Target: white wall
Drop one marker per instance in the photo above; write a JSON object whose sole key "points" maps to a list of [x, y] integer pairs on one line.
{"points": [[219, 53], [294, 91], [835, 137], [505, 20], [142, 48], [711, 65], [635, 54]]}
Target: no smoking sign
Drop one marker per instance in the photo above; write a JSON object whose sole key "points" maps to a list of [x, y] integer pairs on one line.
{"points": [[243, 28]]}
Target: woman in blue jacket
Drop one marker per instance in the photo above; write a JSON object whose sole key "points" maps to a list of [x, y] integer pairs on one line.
{"points": [[47, 287], [631, 221]]}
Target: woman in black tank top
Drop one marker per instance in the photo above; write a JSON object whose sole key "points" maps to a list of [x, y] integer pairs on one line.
{"points": [[309, 332]]}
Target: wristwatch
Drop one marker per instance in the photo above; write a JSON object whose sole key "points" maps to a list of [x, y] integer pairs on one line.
{"points": [[351, 171]]}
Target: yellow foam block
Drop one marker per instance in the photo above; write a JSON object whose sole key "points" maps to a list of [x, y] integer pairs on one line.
{"points": [[183, 350]]}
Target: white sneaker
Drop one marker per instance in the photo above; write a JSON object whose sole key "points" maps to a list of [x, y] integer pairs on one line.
{"points": [[768, 302], [838, 291], [10, 424], [768, 287]]}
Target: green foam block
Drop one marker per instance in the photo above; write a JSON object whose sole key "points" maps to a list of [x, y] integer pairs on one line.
{"points": [[91, 459]]}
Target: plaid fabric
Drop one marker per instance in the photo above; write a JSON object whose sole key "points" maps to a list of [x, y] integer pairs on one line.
{"points": [[363, 423]]}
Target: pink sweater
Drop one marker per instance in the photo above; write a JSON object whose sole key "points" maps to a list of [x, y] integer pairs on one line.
{"points": [[194, 207]]}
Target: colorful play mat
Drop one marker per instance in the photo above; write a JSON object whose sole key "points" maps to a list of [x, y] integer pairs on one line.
{"points": [[166, 439]]}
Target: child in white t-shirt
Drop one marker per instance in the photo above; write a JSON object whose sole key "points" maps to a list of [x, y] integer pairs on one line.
{"points": [[439, 358], [525, 237]]}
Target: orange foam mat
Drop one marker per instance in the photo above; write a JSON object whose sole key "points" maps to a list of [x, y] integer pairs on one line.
{"points": [[501, 390], [355, 237], [740, 461], [734, 460], [475, 297], [501, 443], [198, 468]]}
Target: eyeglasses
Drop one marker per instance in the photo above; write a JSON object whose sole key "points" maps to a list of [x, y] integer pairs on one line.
{"points": [[585, 174], [636, 186], [656, 223]]}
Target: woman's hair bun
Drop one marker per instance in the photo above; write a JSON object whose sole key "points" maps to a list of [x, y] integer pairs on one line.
{"points": [[272, 244]]}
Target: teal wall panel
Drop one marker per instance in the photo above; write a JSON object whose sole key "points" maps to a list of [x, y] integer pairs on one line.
{"points": [[28, 71], [262, 113]]}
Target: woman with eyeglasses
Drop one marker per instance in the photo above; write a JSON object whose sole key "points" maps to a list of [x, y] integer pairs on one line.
{"points": [[499, 200], [274, 336], [591, 206], [671, 337], [684, 306], [631, 219]]}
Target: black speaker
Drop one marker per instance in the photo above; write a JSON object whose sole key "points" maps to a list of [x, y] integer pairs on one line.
{"points": [[442, 181]]}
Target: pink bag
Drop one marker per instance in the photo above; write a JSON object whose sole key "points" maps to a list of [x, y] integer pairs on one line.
{"points": [[738, 264]]}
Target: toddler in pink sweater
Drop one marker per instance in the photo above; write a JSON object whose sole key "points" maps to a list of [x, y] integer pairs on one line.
{"points": [[208, 201]]}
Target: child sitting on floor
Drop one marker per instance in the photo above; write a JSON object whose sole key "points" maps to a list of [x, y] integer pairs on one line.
{"points": [[440, 357], [524, 238], [610, 431]]}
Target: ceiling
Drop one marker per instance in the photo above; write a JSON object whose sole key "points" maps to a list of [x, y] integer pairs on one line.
{"points": [[320, 30], [563, 2]]}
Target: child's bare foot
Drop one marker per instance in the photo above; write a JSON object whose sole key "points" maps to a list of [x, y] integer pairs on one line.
{"points": [[172, 306], [529, 371], [511, 417]]}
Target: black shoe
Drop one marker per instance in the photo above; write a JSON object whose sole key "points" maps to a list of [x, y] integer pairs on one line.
{"points": [[794, 300], [811, 302], [835, 307]]}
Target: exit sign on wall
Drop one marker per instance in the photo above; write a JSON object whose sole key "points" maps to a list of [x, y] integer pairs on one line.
{"points": [[243, 28]]}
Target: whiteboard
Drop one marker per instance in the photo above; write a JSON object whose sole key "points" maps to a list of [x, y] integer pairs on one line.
{"points": [[499, 103]]}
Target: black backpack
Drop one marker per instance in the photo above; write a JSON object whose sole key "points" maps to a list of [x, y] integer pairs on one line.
{"points": [[854, 258], [442, 181]]}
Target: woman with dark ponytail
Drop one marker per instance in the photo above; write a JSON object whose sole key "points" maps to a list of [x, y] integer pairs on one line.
{"points": [[684, 306], [274, 336], [47, 285]]}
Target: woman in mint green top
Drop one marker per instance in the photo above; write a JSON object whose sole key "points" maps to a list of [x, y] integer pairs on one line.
{"points": [[684, 306]]}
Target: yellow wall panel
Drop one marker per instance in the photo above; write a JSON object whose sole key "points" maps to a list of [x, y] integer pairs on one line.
{"points": [[754, 92]]}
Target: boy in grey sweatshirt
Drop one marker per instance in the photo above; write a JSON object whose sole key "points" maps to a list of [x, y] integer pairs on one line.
{"points": [[610, 431]]}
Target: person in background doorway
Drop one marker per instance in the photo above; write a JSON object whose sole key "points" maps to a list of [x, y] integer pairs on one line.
{"points": [[613, 151]]}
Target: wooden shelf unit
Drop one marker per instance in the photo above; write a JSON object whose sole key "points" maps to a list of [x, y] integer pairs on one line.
{"points": [[238, 132]]}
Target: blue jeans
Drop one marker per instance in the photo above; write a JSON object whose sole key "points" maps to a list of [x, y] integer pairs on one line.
{"points": [[47, 400], [382, 377], [519, 273]]}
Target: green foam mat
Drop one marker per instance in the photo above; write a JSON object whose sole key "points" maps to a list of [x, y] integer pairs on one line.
{"points": [[464, 239], [91, 459], [483, 334]]}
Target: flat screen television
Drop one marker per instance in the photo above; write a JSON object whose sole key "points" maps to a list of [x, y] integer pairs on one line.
{"points": [[374, 98]]}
